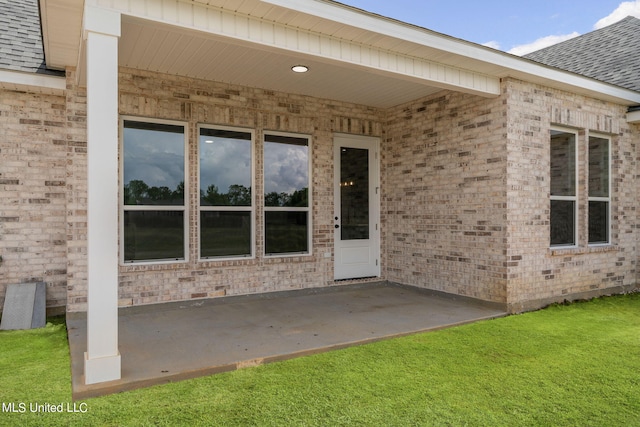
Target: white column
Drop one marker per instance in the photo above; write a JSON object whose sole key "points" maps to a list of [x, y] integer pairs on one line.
{"points": [[101, 32]]}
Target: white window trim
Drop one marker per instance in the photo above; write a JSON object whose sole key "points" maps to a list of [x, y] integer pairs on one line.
{"points": [[601, 199], [251, 209], [184, 208], [307, 209], [575, 198]]}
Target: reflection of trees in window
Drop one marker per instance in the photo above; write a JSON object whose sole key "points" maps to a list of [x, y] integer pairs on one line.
{"points": [[299, 198], [237, 195], [137, 192]]}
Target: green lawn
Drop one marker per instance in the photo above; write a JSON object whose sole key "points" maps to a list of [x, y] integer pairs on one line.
{"points": [[567, 365]]}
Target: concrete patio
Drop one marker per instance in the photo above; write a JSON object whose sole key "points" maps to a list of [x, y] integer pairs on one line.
{"points": [[175, 341]]}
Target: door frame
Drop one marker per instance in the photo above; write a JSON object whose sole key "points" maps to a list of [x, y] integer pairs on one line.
{"points": [[373, 145]]}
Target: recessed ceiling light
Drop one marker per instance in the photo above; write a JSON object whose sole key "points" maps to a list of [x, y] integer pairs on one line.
{"points": [[299, 68], [208, 141]]}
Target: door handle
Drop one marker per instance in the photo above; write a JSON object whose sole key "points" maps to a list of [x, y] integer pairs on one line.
{"points": [[336, 226]]}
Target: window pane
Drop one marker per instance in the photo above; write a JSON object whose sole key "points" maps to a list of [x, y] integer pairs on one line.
{"points": [[598, 167], [598, 222], [153, 164], [563, 164], [286, 171], [225, 234], [153, 235], [225, 168], [562, 222], [286, 232], [354, 193]]}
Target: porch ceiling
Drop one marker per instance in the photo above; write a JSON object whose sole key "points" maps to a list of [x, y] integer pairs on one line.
{"points": [[168, 49]]}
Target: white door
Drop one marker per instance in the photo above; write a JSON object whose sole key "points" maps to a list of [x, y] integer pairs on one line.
{"points": [[357, 207]]}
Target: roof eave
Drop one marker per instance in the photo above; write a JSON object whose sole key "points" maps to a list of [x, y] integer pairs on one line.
{"points": [[32, 82], [633, 115]]}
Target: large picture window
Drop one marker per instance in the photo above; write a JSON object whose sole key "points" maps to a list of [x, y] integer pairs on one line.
{"points": [[153, 192], [226, 200], [287, 222], [564, 198], [599, 190]]}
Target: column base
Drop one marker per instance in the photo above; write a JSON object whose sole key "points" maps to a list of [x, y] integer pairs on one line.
{"points": [[101, 369]]}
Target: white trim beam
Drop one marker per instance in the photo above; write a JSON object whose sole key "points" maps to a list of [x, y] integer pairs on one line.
{"points": [[633, 117], [32, 82], [102, 359]]}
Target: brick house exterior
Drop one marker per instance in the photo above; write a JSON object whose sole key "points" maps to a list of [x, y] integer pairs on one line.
{"points": [[463, 186]]}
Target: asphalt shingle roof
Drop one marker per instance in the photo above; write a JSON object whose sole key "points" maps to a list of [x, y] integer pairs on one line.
{"points": [[610, 54], [21, 46]]}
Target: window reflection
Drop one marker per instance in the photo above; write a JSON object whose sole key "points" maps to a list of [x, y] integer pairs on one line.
{"points": [[225, 233], [286, 198], [286, 171], [153, 191], [153, 235], [286, 232], [153, 165], [563, 200], [226, 202], [225, 168]]}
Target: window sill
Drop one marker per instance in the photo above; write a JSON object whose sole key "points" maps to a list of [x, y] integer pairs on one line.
{"points": [[582, 250], [153, 265]]}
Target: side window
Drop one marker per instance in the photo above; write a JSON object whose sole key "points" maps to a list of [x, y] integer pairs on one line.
{"points": [[226, 199], [153, 189], [287, 221], [599, 190], [563, 189]]}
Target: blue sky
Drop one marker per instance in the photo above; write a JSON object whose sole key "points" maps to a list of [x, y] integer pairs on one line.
{"points": [[516, 26]]}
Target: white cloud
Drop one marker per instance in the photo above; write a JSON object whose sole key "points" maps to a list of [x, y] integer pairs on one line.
{"points": [[541, 43], [492, 44], [623, 10]]}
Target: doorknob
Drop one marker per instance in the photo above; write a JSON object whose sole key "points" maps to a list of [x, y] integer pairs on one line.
{"points": [[336, 226]]}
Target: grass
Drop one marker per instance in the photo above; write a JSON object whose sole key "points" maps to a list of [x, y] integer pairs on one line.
{"points": [[567, 365]]}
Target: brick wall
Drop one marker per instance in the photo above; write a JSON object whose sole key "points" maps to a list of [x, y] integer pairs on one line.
{"points": [[33, 185], [466, 197], [76, 226], [537, 274], [444, 196]]}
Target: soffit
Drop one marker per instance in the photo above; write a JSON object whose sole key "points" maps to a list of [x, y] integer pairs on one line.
{"points": [[172, 50]]}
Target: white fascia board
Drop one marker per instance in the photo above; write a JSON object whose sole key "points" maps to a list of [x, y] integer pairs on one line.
{"points": [[392, 28], [31, 82], [44, 28], [633, 117], [511, 64]]}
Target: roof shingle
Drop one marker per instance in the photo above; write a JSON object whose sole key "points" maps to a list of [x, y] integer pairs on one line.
{"points": [[610, 54], [21, 46]]}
